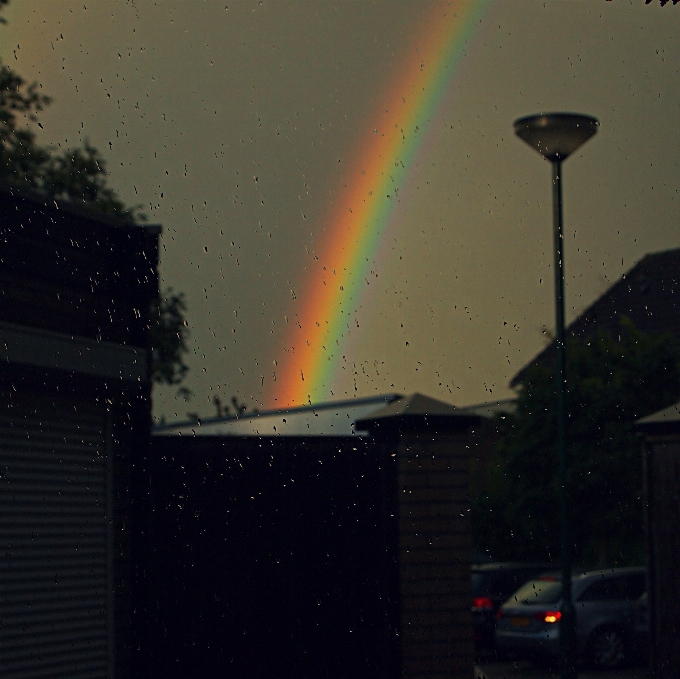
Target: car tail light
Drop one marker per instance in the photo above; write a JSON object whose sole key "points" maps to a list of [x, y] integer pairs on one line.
{"points": [[499, 614], [548, 616], [482, 603]]}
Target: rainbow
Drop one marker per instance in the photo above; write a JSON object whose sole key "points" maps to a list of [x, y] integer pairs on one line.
{"points": [[361, 217]]}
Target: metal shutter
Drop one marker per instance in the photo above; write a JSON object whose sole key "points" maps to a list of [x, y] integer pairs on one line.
{"points": [[55, 541]]}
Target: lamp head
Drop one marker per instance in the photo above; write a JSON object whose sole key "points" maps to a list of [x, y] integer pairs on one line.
{"points": [[556, 135]]}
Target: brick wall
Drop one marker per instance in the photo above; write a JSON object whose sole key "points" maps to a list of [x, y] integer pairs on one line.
{"points": [[434, 556]]}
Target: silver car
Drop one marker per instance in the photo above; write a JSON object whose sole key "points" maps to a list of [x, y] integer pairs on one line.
{"points": [[610, 617]]}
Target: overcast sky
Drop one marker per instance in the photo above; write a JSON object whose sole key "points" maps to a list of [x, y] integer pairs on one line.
{"points": [[190, 102]]}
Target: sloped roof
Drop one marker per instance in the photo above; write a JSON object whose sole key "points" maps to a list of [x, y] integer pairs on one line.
{"points": [[648, 294], [670, 414], [417, 410], [415, 404], [333, 418], [490, 409], [340, 418], [662, 423]]}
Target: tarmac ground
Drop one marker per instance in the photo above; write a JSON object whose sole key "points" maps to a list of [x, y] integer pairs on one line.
{"points": [[528, 670]]}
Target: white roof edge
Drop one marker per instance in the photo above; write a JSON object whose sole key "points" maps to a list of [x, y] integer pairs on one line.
{"points": [[329, 405]]}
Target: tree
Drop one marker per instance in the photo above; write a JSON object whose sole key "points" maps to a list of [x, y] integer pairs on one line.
{"points": [[74, 175], [79, 176], [611, 382], [168, 340]]}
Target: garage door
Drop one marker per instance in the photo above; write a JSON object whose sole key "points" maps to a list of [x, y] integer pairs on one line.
{"points": [[55, 542]]}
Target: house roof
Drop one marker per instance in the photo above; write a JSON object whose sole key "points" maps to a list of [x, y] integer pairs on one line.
{"points": [[663, 424], [490, 409], [353, 417], [416, 411], [648, 294], [414, 405], [665, 416], [334, 418]]}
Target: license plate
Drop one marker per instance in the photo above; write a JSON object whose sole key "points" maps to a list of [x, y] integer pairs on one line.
{"points": [[520, 621]]}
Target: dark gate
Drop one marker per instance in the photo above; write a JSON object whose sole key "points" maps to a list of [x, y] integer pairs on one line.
{"points": [[273, 557]]}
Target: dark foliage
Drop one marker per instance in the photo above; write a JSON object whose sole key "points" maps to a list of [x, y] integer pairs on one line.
{"points": [[73, 175], [611, 382], [168, 339]]}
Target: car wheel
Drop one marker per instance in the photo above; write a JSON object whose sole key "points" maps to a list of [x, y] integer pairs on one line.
{"points": [[607, 648]]}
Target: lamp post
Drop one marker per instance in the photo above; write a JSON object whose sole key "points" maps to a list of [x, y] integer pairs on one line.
{"points": [[556, 136]]}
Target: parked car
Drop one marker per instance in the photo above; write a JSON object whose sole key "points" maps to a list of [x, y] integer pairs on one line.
{"points": [[492, 584], [611, 620]]}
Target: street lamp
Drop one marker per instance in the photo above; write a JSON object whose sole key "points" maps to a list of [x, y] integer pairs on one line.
{"points": [[556, 136]]}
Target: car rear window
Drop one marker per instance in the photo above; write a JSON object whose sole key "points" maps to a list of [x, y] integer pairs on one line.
{"points": [[538, 592], [478, 584], [498, 584]]}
